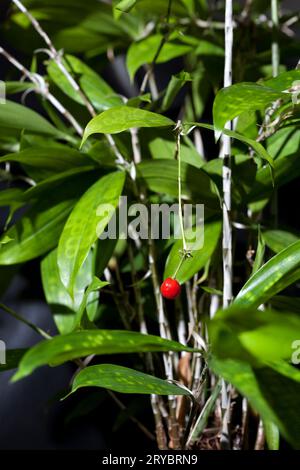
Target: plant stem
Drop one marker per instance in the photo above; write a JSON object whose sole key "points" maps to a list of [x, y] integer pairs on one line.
{"points": [[226, 155], [226, 208], [275, 45], [15, 315], [275, 71], [159, 428], [131, 417], [204, 415], [57, 57], [178, 156], [55, 54], [42, 89], [159, 49], [164, 327]]}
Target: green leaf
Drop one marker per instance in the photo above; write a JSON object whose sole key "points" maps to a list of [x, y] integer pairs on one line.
{"points": [[56, 180], [83, 343], [206, 411], [42, 162], [77, 39], [283, 81], [257, 147], [12, 88], [124, 380], [232, 101], [36, 232], [161, 176], [84, 225], [126, 5], [175, 85], [282, 394], [11, 196], [255, 331], [277, 240], [161, 147], [5, 239], [57, 296], [285, 169], [207, 48], [16, 116], [284, 142], [273, 396], [241, 376], [12, 357], [279, 272], [199, 257], [211, 290], [272, 435], [260, 252], [143, 52], [121, 118], [243, 174], [105, 249], [94, 286], [101, 95]]}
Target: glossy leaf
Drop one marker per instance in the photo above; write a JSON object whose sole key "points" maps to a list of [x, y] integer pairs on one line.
{"points": [[162, 148], [260, 252], [175, 85], [161, 176], [57, 296], [12, 88], [277, 240], [284, 142], [232, 101], [83, 343], [96, 89], [200, 257], [143, 52], [246, 332], [16, 116], [257, 147], [121, 118], [93, 287], [105, 250], [283, 81], [272, 395], [42, 162], [279, 272], [285, 169], [272, 435], [124, 380], [36, 232], [126, 5], [11, 196], [84, 225], [56, 180]]}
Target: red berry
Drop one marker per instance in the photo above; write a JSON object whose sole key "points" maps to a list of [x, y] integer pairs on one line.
{"points": [[170, 288]]}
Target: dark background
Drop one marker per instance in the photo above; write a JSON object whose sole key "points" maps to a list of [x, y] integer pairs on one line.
{"points": [[31, 415]]}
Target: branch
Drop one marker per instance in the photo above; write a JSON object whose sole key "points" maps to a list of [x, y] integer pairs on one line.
{"points": [[159, 49], [42, 89], [15, 315], [57, 56], [275, 46], [226, 206], [226, 155]]}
